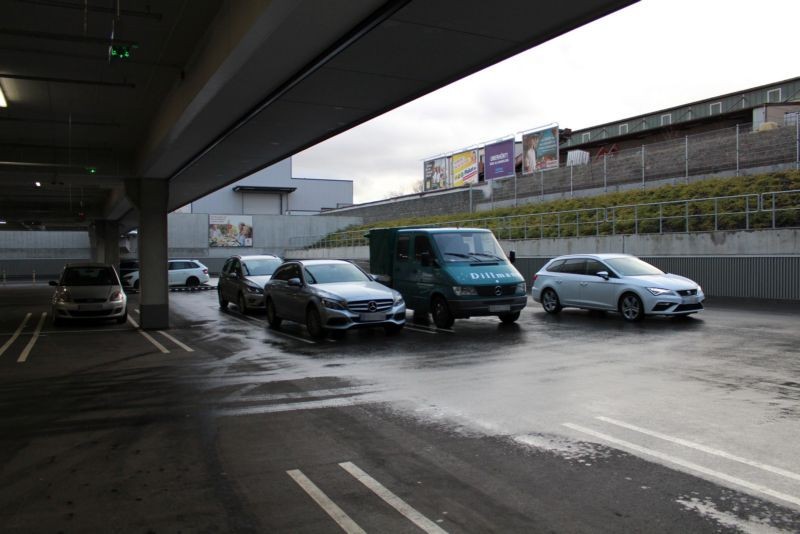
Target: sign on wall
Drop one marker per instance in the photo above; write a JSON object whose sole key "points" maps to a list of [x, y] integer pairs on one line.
{"points": [[230, 230], [499, 160], [465, 168], [540, 150], [437, 174]]}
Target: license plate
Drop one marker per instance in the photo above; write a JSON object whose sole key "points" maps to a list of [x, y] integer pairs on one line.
{"points": [[690, 300], [90, 307], [500, 308], [366, 317]]}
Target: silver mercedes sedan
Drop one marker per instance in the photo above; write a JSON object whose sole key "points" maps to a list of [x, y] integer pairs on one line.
{"points": [[331, 296], [614, 282]]}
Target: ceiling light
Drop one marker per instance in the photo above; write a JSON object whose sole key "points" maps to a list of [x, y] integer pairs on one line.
{"points": [[2, 221], [3, 103], [37, 184]]}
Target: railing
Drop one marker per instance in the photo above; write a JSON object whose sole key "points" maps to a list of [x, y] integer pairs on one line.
{"points": [[774, 209]]}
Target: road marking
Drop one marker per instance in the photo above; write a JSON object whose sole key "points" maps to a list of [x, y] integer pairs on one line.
{"points": [[148, 337], [251, 323], [330, 507], [27, 350], [689, 465], [137, 311], [15, 336], [391, 499], [417, 329], [699, 447], [339, 402], [51, 332], [179, 343]]}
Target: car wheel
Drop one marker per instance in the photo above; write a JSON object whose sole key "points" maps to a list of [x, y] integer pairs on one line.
{"points": [[314, 323], [550, 301], [192, 281], [509, 318], [272, 316], [392, 329], [631, 308], [440, 311], [223, 304], [136, 285], [241, 303], [122, 319]]}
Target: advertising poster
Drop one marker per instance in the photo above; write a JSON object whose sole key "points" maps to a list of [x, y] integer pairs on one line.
{"points": [[465, 168], [499, 160], [230, 230], [540, 150], [437, 174]]}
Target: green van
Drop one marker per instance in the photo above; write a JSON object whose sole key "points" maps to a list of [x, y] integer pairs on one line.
{"points": [[450, 273]]}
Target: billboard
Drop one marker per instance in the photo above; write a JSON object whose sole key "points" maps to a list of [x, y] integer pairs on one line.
{"points": [[540, 150], [437, 174], [465, 167], [499, 160], [230, 230]]}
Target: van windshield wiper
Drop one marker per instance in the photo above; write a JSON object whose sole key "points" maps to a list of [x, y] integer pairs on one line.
{"points": [[457, 254], [486, 255]]}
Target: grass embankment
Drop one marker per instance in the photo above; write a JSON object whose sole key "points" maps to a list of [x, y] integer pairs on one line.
{"points": [[593, 215]]}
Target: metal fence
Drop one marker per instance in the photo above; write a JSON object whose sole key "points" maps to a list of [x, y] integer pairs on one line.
{"points": [[773, 209]]}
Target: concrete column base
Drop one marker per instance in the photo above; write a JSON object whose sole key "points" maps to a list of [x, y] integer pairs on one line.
{"points": [[154, 316]]}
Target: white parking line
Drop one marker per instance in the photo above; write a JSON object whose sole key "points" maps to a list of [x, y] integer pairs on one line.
{"points": [[284, 334], [177, 342], [417, 329], [148, 337], [758, 488], [330, 507], [391, 499], [703, 448], [27, 350], [15, 336]]}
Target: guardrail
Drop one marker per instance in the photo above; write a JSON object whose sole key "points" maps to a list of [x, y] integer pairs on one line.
{"points": [[773, 209]]}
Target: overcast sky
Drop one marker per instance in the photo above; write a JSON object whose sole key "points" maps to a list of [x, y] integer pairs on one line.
{"points": [[651, 55]]}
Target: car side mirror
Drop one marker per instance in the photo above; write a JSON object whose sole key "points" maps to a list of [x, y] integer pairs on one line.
{"points": [[53, 283], [294, 282], [512, 256], [425, 259], [603, 275]]}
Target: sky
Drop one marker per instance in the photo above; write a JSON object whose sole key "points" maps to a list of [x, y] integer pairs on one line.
{"points": [[652, 55]]}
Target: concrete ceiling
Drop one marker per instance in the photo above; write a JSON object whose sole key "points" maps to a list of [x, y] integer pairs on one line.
{"points": [[214, 91]]}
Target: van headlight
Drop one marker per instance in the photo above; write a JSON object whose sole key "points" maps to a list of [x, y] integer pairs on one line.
{"points": [[334, 304], [521, 288], [465, 291]]}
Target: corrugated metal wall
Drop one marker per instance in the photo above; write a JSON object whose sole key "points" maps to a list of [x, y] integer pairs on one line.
{"points": [[762, 277]]}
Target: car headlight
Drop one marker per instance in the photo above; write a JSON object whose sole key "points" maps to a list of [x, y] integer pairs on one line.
{"points": [[398, 299], [63, 296], [255, 289], [465, 291], [521, 288], [334, 304], [658, 291], [117, 296]]}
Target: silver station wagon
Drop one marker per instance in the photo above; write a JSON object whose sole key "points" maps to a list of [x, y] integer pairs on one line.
{"points": [[614, 282], [331, 296]]}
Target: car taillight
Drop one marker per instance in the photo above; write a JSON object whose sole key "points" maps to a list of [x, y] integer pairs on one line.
{"points": [[205, 271], [535, 276]]}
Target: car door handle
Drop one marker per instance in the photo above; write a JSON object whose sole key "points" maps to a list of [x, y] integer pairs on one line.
{"points": [[584, 284], [559, 281]]}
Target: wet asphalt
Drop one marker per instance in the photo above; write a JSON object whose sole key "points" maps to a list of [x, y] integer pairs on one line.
{"points": [[572, 423]]}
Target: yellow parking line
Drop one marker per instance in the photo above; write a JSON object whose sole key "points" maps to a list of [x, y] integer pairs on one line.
{"points": [[15, 336], [27, 350]]}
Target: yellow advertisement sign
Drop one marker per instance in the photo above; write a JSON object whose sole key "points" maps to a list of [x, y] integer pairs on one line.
{"points": [[465, 168]]}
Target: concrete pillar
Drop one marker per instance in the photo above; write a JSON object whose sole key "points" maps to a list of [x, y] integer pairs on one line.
{"points": [[104, 239], [150, 196]]}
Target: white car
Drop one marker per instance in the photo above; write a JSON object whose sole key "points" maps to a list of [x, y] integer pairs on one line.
{"points": [[189, 273], [88, 291], [614, 282]]}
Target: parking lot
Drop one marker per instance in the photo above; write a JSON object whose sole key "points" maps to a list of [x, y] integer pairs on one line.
{"points": [[578, 422]]}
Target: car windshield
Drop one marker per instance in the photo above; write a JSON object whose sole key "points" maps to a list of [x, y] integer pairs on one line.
{"points": [[632, 267], [468, 246], [331, 273], [88, 276], [263, 267]]}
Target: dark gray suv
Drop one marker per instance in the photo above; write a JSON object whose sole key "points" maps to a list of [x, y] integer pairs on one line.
{"points": [[243, 278]]}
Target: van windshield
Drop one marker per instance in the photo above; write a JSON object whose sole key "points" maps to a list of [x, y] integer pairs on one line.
{"points": [[469, 246]]}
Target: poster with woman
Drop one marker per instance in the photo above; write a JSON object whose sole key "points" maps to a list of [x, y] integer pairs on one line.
{"points": [[230, 230], [540, 150]]}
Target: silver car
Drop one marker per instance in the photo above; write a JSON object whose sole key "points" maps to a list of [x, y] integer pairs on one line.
{"points": [[89, 290], [331, 296], [614, 282]]}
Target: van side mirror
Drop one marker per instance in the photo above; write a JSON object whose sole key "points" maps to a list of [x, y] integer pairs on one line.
{"points": [[294, 282], [512, 256], [425, 259]]}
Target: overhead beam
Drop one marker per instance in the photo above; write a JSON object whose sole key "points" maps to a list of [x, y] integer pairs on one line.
{"points": [[85, 6], [70, 37], [66, 80]]}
